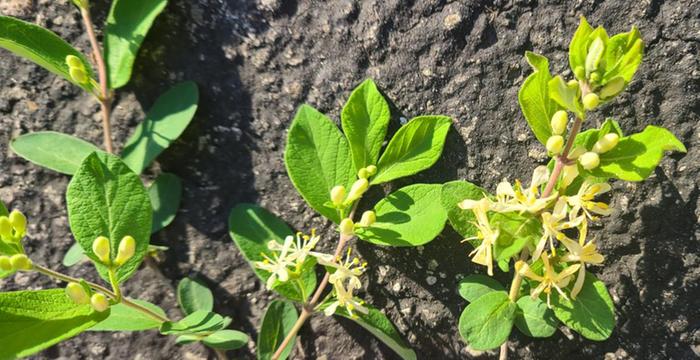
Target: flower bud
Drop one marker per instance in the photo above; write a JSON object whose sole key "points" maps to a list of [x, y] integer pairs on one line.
{"points": [[580, 72], [20, 262], [589, 160], [576, 152], [612, 88], [371, 170], [357, 189], [127, 248], [569, 173], [337, 195], [606, 143], [573, 84], [19, 222], [5, 264], [590, 101], [78, 75], [77, 293], [347, 227], [363, 173], [101, 249], [555, 143], [99, 302], [5, 228], [74, 62], [368, 218], [559, 121], [595, 77]]}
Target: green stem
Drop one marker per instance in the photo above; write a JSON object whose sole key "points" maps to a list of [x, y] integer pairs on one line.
{"points": [[115, 285]]}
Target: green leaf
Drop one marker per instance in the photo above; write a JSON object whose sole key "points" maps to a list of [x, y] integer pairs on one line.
{"points": [[251, 228], [410, 216], [380, 326], [193, 296], [515, 232], [534, 318], [486, 323], [4, 274], [31, 321], [591, 314], [74, 255], [125, 318], [165, 195], [451, 195], [534, 99], [473, 287], [595, 54], [277, 322], [3, 209], [128, 23], [39, 45], [623, 55], [164, 123], [105, 198], [226, 340], [56, 151], [187, 339], [565, 95], [198, 322], [414, 148], [317, 159], [635, 157], [365, 118], [578, 47]]}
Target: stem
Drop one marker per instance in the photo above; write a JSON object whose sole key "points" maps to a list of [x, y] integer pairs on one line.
{"points": [[104, 98], [562, 159], [513, 296], [115, 285], [308, 308], [63, 277]]}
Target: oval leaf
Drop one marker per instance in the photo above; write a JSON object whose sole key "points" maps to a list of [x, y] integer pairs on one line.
{"points": [[198, 322], [164, 123], [193, 296], [451, 195], [473, 287], [380, 326], [31, 321], [534, 318], [125, 318], [165, 195], [56, 151], [591, 314], [410, 216], [39, 45], [105, 198], [486, 323], [538, 108], [414, 148], [365, 118], [226, 340], [278, 321], [128, 23], [74, 255], [317, 157]]}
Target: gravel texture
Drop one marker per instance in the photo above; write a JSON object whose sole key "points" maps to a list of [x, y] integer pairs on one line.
{"points": [[256, 61]]}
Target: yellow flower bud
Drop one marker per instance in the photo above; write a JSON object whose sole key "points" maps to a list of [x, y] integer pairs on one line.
{"points": [[79, 76], [606, 143], [77, 293], [576, 152], [363, 173], [580, 72], [19, 222], [569, 173], [573, 84], [337, 195], [5, 228], [368, 218], [101, 249], [99, 302], [347, 227], [371, 170], [357, 189], [127, 248], [555, 143], [589, 160], [20, 262], [595, 77], [5, 264], [612, 88], [74, 62], [559, 121], [590, 101]]}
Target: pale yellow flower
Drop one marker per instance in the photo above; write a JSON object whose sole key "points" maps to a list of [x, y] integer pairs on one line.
{"points": [[278, 264], [552, 225], [583, 200], [482, 254], [583, 253], [550, 279], [345, 280], [516, 199]]}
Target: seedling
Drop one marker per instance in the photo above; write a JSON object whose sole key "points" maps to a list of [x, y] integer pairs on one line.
{"points": [[333, 171], [542, 229]]}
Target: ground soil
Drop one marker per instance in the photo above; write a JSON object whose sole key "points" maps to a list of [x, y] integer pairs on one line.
{"points": [[255, 62]]}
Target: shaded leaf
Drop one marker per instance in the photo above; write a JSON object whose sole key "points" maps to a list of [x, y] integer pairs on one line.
{"points": [[74, 255], [226, 340], [277, 322], [193, 296], [165, 195], [55, 151], [451, 195], [534, 318], [380, 326]]}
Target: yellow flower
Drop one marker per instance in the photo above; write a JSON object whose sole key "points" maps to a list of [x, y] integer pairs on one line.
{"points": [[583, 200], [552, 225], [550, 279], [515, 198], [583, 253], [482, 254], [345, 280], [290, 254]]}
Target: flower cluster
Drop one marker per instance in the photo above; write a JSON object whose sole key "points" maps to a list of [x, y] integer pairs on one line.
{"points": [[559, 215]]}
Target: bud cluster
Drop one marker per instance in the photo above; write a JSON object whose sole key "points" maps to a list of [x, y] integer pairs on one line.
{"points": [[82, 295], [102, 249], [77, 71], [13, 227], [16, 262]]}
